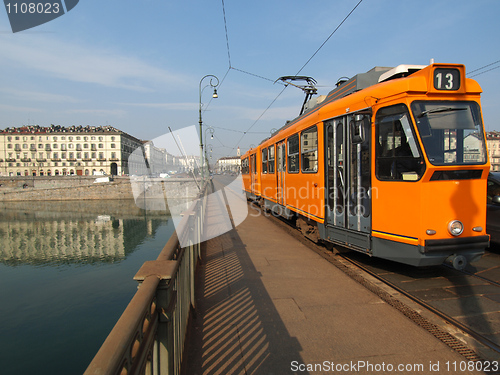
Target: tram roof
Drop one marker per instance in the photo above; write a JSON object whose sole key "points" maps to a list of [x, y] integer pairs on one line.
{"points": [[358, 82]]}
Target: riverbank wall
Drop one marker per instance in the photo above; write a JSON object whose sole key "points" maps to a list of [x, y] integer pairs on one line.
{"points": [[63, 188]]}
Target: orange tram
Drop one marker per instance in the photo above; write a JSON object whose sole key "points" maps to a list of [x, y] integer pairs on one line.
{"points": [[392, 163]]}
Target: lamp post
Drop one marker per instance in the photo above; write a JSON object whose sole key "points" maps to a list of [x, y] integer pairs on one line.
{"points": [[209, 148], [200, 120], [211, 131]]}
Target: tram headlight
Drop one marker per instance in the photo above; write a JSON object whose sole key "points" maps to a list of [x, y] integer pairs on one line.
{"points": [[455, 228]]}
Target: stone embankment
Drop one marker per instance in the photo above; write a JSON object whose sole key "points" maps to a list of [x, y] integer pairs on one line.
{"points": [[61, 188]]}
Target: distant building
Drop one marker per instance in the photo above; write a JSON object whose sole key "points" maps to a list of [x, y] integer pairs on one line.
{"points": [[59, 150], [228, 164], [156, 157], [493, 142]]}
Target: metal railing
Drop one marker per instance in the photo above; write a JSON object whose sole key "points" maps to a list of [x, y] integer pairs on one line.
{"points": [[149, 337]]}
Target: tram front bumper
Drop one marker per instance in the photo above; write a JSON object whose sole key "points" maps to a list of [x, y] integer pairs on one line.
{"points": [[455, 245]]}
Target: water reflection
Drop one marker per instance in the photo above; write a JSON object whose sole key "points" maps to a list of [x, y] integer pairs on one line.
{"points": [[66, 271], [68, 232]]}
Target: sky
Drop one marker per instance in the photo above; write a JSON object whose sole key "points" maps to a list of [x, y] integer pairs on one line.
{"points": [[137, 64]]}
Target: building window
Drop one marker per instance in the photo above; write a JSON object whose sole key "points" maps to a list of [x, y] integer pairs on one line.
{"points": [[101, 145]]}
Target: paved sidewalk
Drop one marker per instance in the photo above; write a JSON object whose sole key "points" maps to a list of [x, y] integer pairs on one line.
{"points": [[266, 304]]}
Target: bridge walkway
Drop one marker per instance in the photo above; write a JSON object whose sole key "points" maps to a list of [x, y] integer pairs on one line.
{"points": [[267, 304]]}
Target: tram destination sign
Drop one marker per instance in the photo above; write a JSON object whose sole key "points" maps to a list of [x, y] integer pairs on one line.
{"points": [[446, 79]]}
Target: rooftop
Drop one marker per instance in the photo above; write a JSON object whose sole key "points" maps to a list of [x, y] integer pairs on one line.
{"points": [[37, 129]]}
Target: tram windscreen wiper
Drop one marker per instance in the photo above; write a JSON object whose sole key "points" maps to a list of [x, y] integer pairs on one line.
{"points": [[441, 109]]}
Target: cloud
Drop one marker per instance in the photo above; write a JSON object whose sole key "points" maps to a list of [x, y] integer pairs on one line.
{"points": [[37, 96], [99, 112], [170, 106], [12, 108], [80, 63]]}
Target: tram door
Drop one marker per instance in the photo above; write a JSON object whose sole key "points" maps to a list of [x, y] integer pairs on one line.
{"points": [[253, 173], [348, 172], [281, 169]]}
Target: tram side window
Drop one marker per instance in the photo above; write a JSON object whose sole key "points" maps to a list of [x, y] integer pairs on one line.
{"points": [[264, 160], [309, 150], [270, 166], [244, 166], [293, 154], [397, 154]]}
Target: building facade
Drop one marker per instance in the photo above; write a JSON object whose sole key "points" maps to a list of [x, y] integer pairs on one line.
{"points": [[493, 141], [228, 164], [58, 150]]}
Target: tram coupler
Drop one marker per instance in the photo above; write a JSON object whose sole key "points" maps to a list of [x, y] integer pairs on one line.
{"points": [[459, 262]]}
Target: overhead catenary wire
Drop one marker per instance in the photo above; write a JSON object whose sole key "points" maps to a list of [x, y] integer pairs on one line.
{"points": [[258, 119], [267, 79], [483, 67], [227, 38], [327, 39]]}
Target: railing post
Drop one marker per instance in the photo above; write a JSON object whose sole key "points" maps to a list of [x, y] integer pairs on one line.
{"points": [[167, 299]]}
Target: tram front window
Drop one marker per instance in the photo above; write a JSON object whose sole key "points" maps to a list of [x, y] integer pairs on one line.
{"points": [[451, 132], [397, 155]]}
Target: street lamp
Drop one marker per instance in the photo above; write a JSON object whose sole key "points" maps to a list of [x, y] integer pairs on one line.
{"points": [[214, 95]]}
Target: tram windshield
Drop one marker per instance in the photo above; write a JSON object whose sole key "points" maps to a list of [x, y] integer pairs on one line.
{"points": [[452, 132]]}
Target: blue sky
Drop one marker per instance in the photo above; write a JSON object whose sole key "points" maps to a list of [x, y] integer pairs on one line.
{"points": [[137, 64]]}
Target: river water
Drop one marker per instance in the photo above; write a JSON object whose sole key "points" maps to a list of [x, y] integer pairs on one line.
{"points": [[66, 272]]}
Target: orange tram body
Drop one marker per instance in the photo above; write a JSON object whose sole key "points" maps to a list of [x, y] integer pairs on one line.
{"points": [[392, 163]]}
